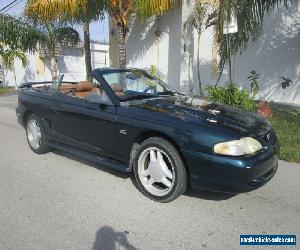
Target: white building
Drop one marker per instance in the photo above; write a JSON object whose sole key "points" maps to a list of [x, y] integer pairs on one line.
{"points": [[71, 63], [274, 55]]}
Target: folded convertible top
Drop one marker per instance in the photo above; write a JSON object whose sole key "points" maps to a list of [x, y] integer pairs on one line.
{"points": [[30, 84]]}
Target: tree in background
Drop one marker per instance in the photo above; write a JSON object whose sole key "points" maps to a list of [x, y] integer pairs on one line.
{"points": [[18, 34], [53, 35], [8, 57], [201, 18], [16, 37], [86, 10], [121, 11], [77, 11], [250, 18]]}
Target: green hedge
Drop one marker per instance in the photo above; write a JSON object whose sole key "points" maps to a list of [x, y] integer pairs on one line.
{"points": [[231, 95]]}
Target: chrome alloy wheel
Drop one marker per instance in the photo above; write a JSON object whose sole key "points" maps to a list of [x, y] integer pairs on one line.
{"points": [[156, 171], [34, 134]]}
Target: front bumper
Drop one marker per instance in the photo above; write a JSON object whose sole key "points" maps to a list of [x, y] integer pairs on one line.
{"points": [[231, 174]]}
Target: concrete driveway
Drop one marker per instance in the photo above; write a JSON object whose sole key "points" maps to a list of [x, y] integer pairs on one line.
{"points": [[56, 201]]}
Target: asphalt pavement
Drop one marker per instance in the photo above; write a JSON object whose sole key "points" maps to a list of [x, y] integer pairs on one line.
{"points": [[56, 201]]}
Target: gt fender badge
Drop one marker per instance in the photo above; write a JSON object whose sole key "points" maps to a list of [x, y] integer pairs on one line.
{"points": [[123, 131]]}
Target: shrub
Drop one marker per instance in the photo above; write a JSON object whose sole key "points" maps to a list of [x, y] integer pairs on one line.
{"points": [[153, 70], [231, 95]]}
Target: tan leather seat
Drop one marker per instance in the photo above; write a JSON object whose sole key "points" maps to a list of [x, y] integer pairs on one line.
{"points": [[85, 88], [67, 89], [118, 89]]}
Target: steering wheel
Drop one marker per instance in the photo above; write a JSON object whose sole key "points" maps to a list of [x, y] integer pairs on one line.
{"points": [[147, 89]]}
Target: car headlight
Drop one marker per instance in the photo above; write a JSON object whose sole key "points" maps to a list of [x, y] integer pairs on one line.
{"points": [[244, 146]]}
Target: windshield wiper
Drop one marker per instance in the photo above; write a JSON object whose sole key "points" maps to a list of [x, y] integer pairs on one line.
{"points": [[168, 92], [140, 96]]}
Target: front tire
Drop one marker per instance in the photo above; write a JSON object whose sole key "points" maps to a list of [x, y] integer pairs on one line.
{"points": [[36, 135], [159, 170]]}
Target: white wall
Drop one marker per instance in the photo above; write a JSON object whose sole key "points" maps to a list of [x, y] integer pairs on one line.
{"points": [[187, 49], [276, 53], [71, 64], [22, 74], [144, 49], [100, 55]]}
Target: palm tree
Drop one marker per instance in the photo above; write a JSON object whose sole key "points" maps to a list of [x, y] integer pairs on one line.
{"points": [[87, 10], [8, 57], [250, 15], [53, 35], [18, 36], [122, 10], [201, 18], [87, 49], [79, 11], [250, 18]]}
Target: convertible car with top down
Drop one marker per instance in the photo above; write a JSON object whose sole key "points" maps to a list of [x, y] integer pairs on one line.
{"points": [[130, 121]]}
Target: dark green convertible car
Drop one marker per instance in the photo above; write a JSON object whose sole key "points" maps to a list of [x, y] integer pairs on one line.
{"points": [[130, 121]]}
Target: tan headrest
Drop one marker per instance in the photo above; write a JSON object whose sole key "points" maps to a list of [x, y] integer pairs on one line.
{"points": [[116, 87], [84, 86], [66, 86]]}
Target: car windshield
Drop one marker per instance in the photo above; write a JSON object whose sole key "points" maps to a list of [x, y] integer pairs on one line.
{"points": [[136, 84]]}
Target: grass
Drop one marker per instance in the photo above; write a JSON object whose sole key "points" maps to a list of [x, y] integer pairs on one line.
{"points": [[6, 90], [286, 122]]}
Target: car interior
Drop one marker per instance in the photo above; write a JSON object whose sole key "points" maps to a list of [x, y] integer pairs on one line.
{"points": [[84, 88]]}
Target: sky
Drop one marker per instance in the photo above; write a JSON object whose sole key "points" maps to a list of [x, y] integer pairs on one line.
{"points": [[98, 30]]}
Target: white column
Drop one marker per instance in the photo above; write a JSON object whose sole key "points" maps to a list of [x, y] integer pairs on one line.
{"points": [[187, 50]]}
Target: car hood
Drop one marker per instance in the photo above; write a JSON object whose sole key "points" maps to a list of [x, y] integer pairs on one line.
{"points": [[188, 108]]}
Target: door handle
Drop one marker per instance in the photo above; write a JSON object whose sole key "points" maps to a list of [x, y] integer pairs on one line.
{"points": [[56, 109]]}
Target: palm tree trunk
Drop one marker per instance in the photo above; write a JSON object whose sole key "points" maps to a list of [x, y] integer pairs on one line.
{"points": [[87, 49], [15, 76], [122, 47], [229, 60], [53, 68], [198, 64]]}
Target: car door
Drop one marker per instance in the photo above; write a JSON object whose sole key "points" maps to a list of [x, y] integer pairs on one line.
{"points": [[89, 126]]}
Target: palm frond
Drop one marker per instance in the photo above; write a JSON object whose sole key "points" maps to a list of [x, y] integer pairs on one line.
{"points": [[147, 8], [250, 16], [74, 10], [17, 34], [9, 55], [67, 35]]}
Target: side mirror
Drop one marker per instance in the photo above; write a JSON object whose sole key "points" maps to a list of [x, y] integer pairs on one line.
{"points": [[98, 99]]}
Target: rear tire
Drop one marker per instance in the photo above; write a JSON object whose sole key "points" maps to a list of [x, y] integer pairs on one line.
{"points": [[36, 136], [159, 170]]}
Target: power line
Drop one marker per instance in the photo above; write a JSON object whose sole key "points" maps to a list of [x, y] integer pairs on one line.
{"points": [[8, 5], [13, 6]]}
